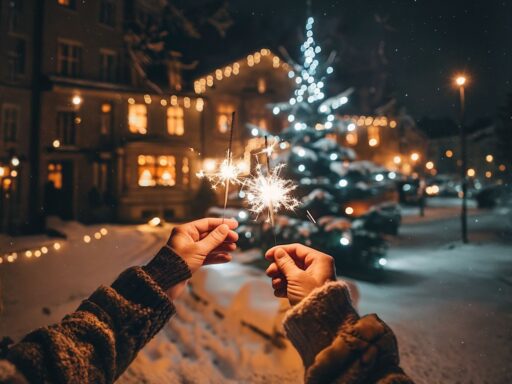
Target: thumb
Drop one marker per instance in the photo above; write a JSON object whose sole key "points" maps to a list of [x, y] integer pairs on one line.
{"points": [[214, 238], [285, 263]]}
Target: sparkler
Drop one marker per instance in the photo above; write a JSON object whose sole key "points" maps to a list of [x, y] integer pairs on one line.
{"points": [[270, 192], [227, 173]]}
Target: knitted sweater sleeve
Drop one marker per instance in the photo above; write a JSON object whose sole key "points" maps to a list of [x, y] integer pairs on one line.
{"points": [[338, 346], [98, 341]]}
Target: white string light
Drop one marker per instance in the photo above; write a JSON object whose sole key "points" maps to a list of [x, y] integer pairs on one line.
{"points": [[9, 258]]}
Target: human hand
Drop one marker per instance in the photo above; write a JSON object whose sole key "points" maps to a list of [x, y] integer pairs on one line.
{"points": [[204, 241], [296, 270]]}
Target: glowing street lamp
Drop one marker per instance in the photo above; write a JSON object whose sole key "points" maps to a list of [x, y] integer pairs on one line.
{"points": [[460, 82]]}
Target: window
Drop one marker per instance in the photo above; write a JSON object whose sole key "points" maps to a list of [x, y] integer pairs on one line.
{"points": [[67, 124], [69, 59], [373, 136], [351, 138], [14, 9], [262, 85], [67, 3], [156, 171], [106, 118], [10, 122], [108, 12], [16, 59], [175, 123], [185, 171], [108, 65], [260, 122], [55, 174], [138, 118], [224, 118]]}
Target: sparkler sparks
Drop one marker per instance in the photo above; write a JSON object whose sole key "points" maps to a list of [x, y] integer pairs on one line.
{"points": [[270, 192], [227, 173]]}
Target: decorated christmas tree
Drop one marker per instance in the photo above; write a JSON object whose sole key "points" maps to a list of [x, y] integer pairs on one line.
{"points": [[337, 213]]}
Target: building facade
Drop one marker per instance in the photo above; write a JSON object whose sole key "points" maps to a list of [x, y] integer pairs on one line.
{"points": [[109, 146]]}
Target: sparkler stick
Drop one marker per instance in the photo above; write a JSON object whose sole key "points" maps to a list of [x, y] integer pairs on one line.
{"points": [[270, 192], [229, 166], [270, 205]]}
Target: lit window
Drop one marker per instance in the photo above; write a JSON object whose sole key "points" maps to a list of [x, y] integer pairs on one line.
{"points": [[137, 118], [262, 85], [185, 171], [351, 138], [156, 171], [55, 174], [175, 122], [260, 122], [69, 59], [10, 122], [373, 136], [106, 118], [224, 118]]}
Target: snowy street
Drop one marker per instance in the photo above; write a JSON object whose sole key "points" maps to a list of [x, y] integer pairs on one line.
{"points": [[449, 304]]}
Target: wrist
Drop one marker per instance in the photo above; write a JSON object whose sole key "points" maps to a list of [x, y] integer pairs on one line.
{"points": [[167, 269]]}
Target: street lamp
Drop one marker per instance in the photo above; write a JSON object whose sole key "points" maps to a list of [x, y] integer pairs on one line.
{"points": [[460, 81]]}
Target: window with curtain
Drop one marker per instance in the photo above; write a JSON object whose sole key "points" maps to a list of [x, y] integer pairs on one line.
{"points": [[224, 117], [138, 118], [156, 171], [175, 121], [55, 174], [373, 136]]}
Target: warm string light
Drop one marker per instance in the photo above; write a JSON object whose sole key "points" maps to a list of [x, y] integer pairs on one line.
{"points": [[46, 249], [251, 60]]}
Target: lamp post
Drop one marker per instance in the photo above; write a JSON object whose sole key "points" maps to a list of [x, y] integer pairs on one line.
{"points": [[460, 81]]}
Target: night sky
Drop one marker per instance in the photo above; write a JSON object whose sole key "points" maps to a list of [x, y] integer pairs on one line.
{"points": [[426, 42]]}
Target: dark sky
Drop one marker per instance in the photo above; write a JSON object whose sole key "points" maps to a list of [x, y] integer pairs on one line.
{"points": [[426, 42]]}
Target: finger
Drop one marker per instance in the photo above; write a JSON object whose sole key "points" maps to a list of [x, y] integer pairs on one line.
{"points": [[225, 248], [278, 284], [209, 224], [219, 258], [273, 271], [233, 236], [280, 292], [295, 250], [214, 239], [285, 263]]}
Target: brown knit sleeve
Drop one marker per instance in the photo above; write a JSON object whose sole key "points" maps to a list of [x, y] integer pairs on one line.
{"points": [[338, 346], [97, 342]]}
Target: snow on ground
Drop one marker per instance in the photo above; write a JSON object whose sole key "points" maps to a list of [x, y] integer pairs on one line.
{"points": [[449, 304]]}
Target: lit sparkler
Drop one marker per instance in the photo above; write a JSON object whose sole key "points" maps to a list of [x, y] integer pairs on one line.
{"points": [[270, 192], [228, 173]]}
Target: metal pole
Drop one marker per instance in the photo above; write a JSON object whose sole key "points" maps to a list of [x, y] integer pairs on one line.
{"points": [[464, 166]]}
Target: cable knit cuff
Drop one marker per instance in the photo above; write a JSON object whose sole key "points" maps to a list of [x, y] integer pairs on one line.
{"points": [[167, 269], [313, 324]]}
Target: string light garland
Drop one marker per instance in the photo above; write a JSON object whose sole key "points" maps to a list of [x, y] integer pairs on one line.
{"points": [[9, 258], [252, 60]]}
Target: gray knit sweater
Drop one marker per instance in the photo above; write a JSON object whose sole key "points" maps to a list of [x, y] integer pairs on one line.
{"points": [[97, 342]]}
